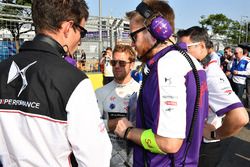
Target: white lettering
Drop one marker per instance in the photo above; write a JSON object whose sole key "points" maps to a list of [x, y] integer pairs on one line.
{"points": [[14, 102]]}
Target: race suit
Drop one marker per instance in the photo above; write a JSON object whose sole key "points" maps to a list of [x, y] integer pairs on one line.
{"points": [[113, 100]]}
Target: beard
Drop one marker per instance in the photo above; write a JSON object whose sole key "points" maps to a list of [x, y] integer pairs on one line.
{"points": [[120, 77], [145, 52]]}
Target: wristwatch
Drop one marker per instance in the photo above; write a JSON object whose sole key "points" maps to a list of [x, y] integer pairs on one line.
{"points": [[213, 134]]}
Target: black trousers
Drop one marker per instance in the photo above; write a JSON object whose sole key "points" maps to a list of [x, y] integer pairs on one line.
{"points": [[210, 154], [239, 90]]}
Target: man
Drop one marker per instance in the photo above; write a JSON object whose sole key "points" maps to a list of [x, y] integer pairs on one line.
{"points": [[222, 100], [167, 98], [113, 100], [212, 53], [226, 58], [48, 108], [246, 54], [108, 75], [239, 69]]}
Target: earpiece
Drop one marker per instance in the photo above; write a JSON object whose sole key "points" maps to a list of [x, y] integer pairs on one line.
{"points": [[159, 27]]}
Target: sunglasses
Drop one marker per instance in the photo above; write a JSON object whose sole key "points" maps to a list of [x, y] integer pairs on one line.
{"points": [[133, 34], [121, 63], [193, 44], [83, 31]]}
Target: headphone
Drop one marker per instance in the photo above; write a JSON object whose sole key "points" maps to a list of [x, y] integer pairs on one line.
{"points": [[159, 27]]}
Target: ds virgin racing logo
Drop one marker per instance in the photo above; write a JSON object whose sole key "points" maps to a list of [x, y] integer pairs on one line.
{"points": [[15, 72]]}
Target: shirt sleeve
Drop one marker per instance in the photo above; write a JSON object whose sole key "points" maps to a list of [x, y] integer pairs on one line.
{"points": [[86, 131], [100, 100], [172, 92], [246, 72], [221, 95]]}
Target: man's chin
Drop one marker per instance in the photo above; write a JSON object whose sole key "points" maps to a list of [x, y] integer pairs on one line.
{"points": [[142, 58]]}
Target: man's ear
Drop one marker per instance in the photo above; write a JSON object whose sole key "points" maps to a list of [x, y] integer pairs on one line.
{"points": [[66, 25], [203, 45]]}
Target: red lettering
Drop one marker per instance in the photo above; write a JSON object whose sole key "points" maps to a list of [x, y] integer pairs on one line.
{"points": [[202, 91]]}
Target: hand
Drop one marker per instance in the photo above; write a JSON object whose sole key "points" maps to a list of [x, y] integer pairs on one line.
{"points": [[235, 72], [228, 73], [121, 127], [208, 128]]}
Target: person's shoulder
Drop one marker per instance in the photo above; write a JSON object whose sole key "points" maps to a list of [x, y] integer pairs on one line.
{"points": [[102, 91], [135, 83], [247, 58], [176, 60]]}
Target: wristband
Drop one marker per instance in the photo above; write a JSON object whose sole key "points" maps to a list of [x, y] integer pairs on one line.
{"points": [[149, 143], [126, 132], [213, 135]]}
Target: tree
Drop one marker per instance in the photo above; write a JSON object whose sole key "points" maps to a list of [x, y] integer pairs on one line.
{"points": [[219, 24], [14, 18]]}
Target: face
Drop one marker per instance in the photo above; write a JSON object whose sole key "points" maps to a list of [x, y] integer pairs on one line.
{"points": [[238, 54], [121, 67], [76, 32], [228, 53], [109, 53], [142, 41], [196, 49]]}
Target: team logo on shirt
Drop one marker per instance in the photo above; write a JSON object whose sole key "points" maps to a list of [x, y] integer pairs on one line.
{"points": [[112, 106], [15, 72], [112, 98], [169, 109], [222, 80], [168, 81], [171, 103], [228, 92]]}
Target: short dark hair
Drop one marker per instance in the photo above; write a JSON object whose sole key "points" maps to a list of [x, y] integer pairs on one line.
{"points": [[108, 48], [159, 6], [49, 14], [227, 48], [210, 45], [127, 49], [196, 34], [245, 51]]}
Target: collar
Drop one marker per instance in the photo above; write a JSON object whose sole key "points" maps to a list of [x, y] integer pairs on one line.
{"points": [[44, 43], [161, 53]]}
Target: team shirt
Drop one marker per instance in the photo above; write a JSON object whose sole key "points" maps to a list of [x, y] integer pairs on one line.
{"points": [[221, 97], [216, 57], [113, 100], [48, 111], [168, 104], [243, 68]]}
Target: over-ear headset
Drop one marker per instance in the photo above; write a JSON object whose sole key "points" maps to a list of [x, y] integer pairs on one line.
{"points": [[158, 26]]}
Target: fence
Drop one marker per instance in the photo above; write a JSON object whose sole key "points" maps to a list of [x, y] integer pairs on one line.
{"points": [[16, 27]]}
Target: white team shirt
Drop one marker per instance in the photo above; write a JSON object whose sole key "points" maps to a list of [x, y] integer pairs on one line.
{"points": [[114, 97], [90, 144], [172, 88], [114, 100], [220, 94]]}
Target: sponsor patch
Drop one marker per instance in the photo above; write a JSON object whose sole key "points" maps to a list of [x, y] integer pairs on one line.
{"points": [[112, 106], [171, 103]]}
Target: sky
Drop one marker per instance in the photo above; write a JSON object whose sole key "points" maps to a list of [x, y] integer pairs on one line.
{"points": [[187, 12]]}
